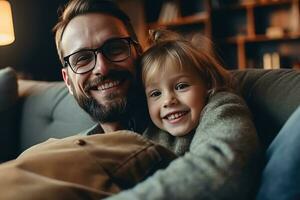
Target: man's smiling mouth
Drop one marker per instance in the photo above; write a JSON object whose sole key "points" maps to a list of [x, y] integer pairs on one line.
{"points": [[112, 80], [107, 85]]}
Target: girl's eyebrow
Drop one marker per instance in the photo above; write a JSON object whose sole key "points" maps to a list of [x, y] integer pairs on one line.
{"points": [[154, 83], [150, 87], [151, 82]]}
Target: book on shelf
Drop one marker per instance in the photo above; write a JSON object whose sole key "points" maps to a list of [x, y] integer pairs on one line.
{"points": [[275, 60], [267, 61], [169, 12], [271, 60], [294, 26]]}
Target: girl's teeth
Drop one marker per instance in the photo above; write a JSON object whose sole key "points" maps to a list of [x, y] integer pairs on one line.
{"points": [[175, 116]]}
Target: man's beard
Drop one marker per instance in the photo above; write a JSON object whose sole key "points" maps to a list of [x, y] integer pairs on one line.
{"points": [[116, 108]]}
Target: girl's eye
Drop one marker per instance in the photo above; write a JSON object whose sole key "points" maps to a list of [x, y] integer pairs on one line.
{"points": [[155, 93], [181, 86]]}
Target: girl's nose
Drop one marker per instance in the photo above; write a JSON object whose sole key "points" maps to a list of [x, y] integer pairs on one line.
{"points": [[169, 100]]}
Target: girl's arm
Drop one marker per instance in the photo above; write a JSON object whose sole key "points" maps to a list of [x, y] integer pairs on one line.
{"points": [[220, 163]]}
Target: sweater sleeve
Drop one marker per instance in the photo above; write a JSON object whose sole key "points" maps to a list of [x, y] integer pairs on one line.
{"points": [[220, 163]]}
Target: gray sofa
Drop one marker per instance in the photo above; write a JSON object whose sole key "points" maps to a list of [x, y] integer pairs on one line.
{"points": [[32, 111]]}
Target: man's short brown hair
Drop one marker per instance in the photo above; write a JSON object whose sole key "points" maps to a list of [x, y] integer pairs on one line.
{"points": [[80, 7]]}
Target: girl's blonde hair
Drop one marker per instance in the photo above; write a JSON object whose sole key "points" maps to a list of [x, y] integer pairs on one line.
{"points": [[169, 49]]}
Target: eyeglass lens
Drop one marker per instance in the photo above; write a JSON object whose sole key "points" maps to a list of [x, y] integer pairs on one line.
{"points": [[115, 50]]}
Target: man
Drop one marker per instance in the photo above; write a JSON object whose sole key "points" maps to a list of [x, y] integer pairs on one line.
{"points": [[99, 62], [98, 49]]}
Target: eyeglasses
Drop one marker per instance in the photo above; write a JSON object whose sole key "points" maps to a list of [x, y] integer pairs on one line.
{"points": [[114, 50]]}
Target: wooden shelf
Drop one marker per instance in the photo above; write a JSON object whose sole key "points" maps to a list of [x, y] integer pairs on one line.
{"points": [[261, 38], [253, 4], [182, 21], [238, 29], [271, 3]]}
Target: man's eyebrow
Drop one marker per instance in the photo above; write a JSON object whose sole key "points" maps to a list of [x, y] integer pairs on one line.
{"points": [[81, 49], [98, 46], [77, 50]]}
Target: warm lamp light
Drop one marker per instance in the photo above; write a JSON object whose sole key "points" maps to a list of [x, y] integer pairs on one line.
{"points": [[7, 35]]}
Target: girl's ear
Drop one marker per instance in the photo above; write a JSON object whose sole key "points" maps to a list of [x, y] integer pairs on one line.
{"points": [[67, 79]]}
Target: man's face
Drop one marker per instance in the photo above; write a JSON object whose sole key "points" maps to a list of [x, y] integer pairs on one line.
{"points": [[106, 91]]}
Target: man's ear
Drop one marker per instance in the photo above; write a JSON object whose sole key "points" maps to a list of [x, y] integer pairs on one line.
{"points": [[67, 80]]}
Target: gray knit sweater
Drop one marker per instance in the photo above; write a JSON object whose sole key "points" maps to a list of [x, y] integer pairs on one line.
{"points": [[216, 162]]}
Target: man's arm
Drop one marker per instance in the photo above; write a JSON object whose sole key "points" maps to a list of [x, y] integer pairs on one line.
{"points": [[219, 162]]}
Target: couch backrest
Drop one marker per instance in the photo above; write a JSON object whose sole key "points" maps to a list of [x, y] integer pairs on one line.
{"points": [[272, 96], [49, 111]]}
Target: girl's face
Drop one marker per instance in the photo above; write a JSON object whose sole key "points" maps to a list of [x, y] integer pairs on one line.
{"points": [[175, 100]]}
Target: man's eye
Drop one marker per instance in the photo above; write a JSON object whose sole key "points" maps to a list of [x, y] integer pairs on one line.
{"points": [[181, 86], [155, 93], [82, 59], [116, 48]]}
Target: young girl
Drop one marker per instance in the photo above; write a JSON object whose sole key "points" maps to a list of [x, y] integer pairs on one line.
{"points": [[178, 79], [196, 114]]}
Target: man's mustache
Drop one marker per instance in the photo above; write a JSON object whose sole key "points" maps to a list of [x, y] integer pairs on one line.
{"points": [[112, 75]]}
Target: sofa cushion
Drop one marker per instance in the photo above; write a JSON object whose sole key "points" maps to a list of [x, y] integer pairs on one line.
{"points": [[49, 111], [272, 96], [8, 98]]}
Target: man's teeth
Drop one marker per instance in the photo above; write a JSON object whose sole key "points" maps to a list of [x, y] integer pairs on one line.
{"points": [[175, 115], [108, 85]]}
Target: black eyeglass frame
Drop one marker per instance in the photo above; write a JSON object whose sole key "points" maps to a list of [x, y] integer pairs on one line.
{"points": [[100, 50]]}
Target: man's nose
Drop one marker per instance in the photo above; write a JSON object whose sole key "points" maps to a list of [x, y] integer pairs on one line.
{"points": [[169, 100], [102, 65]]}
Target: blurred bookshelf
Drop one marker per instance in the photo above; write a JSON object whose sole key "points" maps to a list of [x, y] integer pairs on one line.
{"points": [[245, 32]]}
